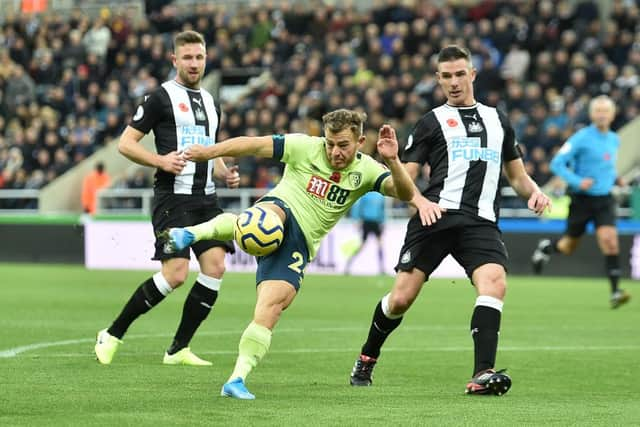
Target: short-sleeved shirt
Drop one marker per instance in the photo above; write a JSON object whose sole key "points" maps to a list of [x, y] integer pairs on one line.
{"points": [[589, 153], [466, 148], [317, 194], [180, 117]]}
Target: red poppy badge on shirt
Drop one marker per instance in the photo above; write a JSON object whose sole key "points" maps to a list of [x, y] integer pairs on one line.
{"points": [[452, 123], [335, 177], [183, 107], [607, 157]]}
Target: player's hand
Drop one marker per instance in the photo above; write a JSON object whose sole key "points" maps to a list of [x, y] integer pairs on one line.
{"points": [[586, 183], [172, 162], [196, 153], [232, 177], [538, 202], [387, 143], [428, 211]]}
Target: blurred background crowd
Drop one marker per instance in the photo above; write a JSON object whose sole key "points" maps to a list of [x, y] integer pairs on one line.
{"points": [[68, 85]]}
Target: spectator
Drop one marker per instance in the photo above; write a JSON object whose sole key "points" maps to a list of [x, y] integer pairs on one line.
{"points": [[92, 183]]}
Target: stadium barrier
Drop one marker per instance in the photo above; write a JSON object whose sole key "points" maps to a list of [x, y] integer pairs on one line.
{"points": [[128, 244]]}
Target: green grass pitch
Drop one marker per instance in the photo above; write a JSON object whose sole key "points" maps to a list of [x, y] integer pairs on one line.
{"points": [[573, 360]]}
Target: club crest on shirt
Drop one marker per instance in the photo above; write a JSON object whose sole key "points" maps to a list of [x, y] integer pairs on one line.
{"points": [[475, 127], [200, 115], [355, 178]]}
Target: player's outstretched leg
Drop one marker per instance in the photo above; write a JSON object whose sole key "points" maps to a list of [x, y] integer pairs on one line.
{"points": [[219, 228]]}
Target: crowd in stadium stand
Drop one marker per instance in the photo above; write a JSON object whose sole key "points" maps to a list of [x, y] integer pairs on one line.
{"points": [[68, 84]]}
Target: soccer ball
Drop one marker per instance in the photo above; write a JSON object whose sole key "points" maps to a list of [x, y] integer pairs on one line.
{"points": [[258, 231]]}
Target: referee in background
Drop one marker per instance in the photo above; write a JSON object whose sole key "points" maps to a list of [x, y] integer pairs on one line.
{"points": [[587, 162]]}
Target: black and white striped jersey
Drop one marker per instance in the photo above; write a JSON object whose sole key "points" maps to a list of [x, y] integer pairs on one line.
{"points": [[465, 148], [180, 117]]}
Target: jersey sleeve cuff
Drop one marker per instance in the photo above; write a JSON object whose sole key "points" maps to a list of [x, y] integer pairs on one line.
{"points": [[278, 146], [378, 183]]}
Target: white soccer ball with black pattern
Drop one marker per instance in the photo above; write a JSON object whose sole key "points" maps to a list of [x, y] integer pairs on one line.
{"points": [[258, 231]]}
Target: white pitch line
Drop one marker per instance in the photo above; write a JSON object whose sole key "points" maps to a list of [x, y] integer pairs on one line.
{"points": [[387, 350], [15, 351]]}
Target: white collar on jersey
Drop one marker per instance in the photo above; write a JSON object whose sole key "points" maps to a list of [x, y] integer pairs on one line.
{"points": [[464, 107], [175, 82]]}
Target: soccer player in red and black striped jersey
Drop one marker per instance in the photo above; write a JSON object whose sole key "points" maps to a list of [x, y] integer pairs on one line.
{"points": [[181, 114], [466, 145]]}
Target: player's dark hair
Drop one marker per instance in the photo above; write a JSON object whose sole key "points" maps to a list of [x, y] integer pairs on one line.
{"points": [[341, 119], [187, 37], [453, 53]]}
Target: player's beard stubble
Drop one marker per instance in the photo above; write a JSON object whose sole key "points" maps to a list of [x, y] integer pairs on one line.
{"points": [[191, 79]]}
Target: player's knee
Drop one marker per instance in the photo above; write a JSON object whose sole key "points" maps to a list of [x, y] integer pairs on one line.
{"points": [[494, 285], [609, 243], [214, 269], [176, 277], [400, 302]]}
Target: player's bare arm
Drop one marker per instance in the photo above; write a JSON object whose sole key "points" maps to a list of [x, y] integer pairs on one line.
{"points": [[400, 185], [258, 146], [428, 211], [526, 188], [129, 147]]}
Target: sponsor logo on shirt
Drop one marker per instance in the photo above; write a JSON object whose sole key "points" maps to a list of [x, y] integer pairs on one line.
{"points": [[469, 148], [318, 186], [332, 195], [193, 134]]}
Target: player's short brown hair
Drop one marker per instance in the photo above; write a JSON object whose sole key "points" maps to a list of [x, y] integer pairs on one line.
{"points": [[341, 119], [187, 37], [453, 53]]}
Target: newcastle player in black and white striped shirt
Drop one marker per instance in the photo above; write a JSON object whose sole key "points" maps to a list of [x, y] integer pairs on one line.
{"points": [[181, 114], [466, 144]]}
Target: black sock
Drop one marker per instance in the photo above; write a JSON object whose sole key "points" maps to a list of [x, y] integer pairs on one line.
{"points": [[143, 299], [196, 308], [485, 324], [612, 265], [381, 327]]}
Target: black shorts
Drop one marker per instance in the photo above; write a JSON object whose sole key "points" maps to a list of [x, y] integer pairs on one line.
{"points": [[471, 241], [371, 227], [599, 209], [181, 210]]}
